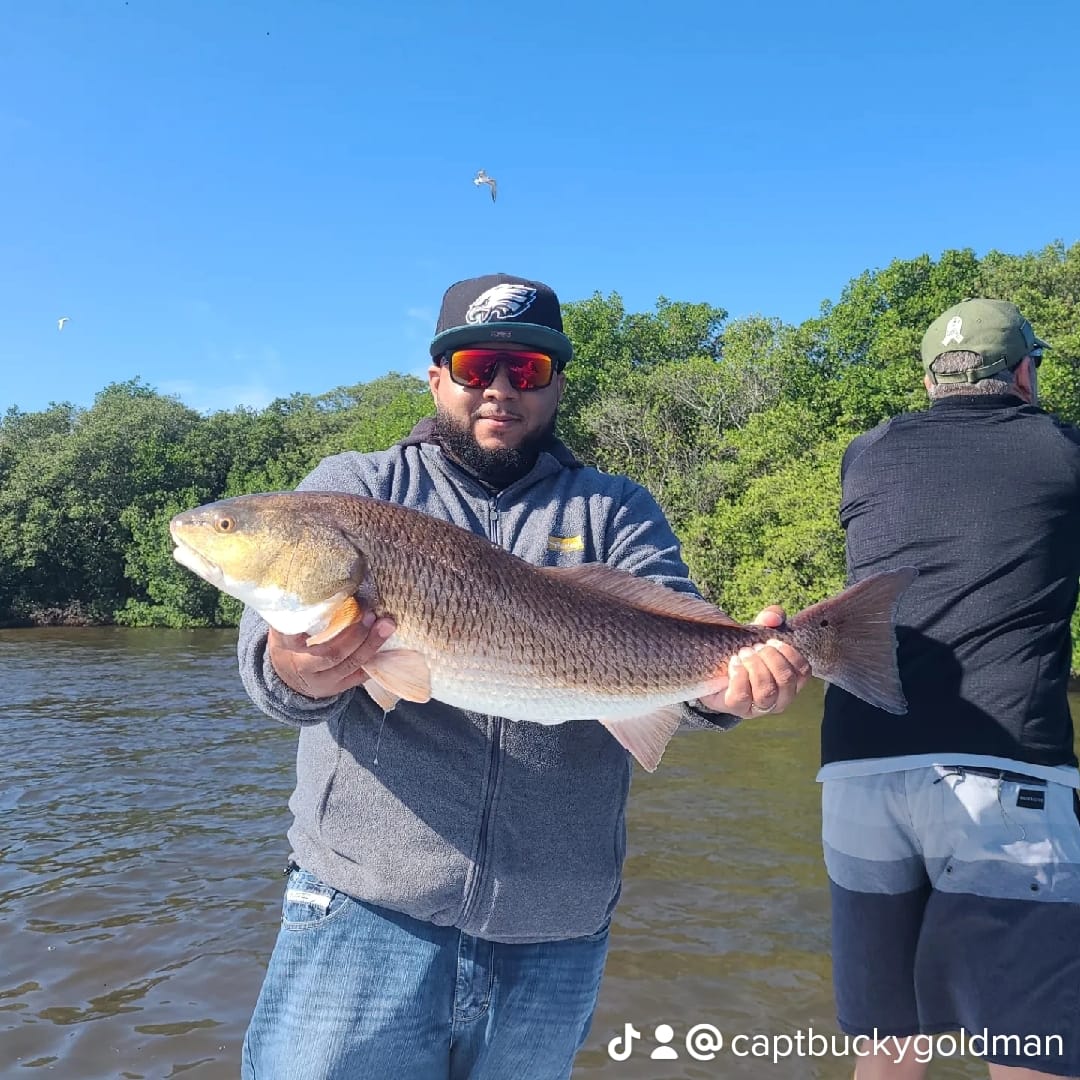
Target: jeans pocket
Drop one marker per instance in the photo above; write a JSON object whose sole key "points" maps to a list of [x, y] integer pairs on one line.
{"points": [[309, 902]]}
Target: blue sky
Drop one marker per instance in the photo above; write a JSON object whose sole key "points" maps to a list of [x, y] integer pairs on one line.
{"points": [[239, 199]]}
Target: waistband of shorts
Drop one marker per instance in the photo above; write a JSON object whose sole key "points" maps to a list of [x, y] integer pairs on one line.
{"points": [[997, 774]]}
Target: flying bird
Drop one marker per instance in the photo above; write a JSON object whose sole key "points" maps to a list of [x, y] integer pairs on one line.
{"points": [[60, 322], [483, 178]]}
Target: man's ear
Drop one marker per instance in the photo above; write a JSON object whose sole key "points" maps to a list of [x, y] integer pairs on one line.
{"points": [[560, 384], [1026, 381]]}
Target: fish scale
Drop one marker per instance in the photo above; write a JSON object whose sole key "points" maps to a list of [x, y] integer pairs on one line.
{"points": [[543, 638], [480, 629]]}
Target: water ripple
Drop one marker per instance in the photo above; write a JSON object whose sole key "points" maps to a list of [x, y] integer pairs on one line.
{"points": [[142, 826]]}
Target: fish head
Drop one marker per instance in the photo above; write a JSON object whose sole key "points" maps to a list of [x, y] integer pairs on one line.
{"points": [[279, 554]]}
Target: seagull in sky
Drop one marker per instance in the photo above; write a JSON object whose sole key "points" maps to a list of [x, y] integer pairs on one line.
{"points": [[60, 322], [483, 178]]}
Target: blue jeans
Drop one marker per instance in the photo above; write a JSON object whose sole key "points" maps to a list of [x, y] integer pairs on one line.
{"points": [[358, 992]]}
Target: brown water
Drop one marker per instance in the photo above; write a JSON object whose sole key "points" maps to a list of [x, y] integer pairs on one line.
{"points": [[142, 823]]}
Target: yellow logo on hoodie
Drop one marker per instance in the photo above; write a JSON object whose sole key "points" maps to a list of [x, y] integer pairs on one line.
{"points": [[566, 543]]}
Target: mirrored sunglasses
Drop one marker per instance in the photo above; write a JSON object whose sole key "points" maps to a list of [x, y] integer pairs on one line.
{"points": [[476, 368]]}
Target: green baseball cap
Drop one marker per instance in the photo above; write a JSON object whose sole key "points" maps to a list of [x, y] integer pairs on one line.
{"points": [[994, 329]]}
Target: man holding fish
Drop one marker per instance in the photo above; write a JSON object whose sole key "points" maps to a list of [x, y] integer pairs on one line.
{"points": [[471, 630]]}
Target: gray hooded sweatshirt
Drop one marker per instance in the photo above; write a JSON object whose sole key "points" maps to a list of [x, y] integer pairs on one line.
{"points": [[508, 830]]}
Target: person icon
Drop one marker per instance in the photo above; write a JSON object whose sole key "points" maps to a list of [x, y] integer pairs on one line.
{"points": [[664, 1034]]}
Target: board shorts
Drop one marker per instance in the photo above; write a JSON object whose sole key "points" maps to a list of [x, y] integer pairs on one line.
{"points": [[956, 906]]}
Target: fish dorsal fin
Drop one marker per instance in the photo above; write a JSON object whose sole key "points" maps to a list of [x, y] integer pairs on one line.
{"points": [[646, 737], [641, 593], [402, 673]]}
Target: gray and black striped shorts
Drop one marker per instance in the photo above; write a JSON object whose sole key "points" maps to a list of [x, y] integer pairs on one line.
{"points": [[956, 904]]}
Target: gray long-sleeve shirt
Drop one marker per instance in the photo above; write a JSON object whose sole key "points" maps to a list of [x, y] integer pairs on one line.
{"points": [[511, 831]]}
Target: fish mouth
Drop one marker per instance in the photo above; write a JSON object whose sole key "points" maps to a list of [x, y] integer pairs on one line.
{"points": [[187, 556], [197, 563]]}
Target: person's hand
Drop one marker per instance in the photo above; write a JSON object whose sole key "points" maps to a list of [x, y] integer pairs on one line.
{"points": [[321, 671], [762, 679]]}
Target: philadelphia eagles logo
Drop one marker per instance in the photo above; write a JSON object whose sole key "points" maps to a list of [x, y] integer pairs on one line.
{"points": [[500, 302]]}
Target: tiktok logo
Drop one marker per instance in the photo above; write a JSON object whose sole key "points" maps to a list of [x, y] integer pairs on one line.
{"points": [[702, 1043], [622, 1046]]}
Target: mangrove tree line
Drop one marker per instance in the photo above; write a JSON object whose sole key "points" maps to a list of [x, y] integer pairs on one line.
{"points": [[737, 426]]}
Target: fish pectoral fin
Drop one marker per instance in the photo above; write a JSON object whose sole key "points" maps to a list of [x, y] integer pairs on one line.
{"points": [[646, 737], [402, 673], [380, 695], [344, 615]]}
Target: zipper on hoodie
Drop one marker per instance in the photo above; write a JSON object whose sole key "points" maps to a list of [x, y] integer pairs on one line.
{"points": [[492, 779]]}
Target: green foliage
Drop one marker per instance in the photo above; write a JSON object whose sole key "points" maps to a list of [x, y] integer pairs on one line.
{"points": [[383, 412], [612, 348], [739, 433], [780, 542], [86, 494], [69, 482], [737, 428], [163, 592], [1046, 286]]}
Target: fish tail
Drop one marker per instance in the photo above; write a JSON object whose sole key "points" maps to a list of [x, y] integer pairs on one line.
{"points": [[849, 639]]}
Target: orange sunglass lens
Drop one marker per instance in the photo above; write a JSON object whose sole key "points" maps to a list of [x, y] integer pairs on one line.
{"points": [[475, 368]]}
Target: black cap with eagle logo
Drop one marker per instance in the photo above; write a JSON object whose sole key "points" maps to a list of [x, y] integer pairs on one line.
{"points": [[502, 309]]}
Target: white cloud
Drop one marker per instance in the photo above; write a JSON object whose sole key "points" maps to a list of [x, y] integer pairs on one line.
{"points": [[254, 394], [258, 376]]}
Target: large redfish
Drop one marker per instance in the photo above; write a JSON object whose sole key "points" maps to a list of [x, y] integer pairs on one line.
{"points": [[480, 629]]}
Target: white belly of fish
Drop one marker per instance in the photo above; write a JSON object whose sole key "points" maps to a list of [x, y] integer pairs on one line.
{"points": [[501, 692]]}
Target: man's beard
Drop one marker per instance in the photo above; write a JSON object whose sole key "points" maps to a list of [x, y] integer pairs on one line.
{"points": [[497, 468]]}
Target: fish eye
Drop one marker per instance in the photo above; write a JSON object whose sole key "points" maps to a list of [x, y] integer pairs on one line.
{"points": [[224, 524]]}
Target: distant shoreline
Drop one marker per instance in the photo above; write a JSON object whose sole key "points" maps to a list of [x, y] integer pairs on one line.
{"points": [[101, 624], [57, 619], [52, 617]]}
